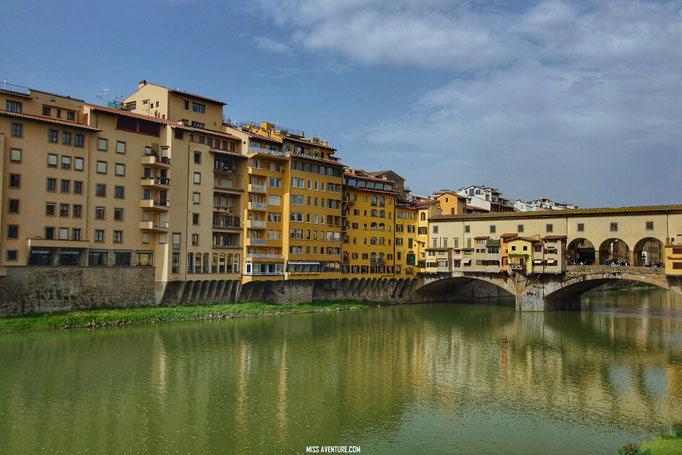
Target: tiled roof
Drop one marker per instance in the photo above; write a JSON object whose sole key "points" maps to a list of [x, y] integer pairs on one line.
{"points": [[13, 93], [294, 155], [563, 213], [115, 111], [308, 143], [48, 120], [260, 137]]}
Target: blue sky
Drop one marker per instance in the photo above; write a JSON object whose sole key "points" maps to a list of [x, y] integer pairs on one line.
{"points": [[575, 101]]}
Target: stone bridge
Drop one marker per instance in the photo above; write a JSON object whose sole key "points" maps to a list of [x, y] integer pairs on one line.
{"points": [[540, 292]]}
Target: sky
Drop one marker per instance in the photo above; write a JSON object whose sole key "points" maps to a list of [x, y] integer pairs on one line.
{"points": [[580, 102]]}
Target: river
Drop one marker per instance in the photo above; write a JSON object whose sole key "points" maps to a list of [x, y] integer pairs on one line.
{"points": [[436, 378]]}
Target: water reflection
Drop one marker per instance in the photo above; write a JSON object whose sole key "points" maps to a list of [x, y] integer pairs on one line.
{"points": [[389, 379]]}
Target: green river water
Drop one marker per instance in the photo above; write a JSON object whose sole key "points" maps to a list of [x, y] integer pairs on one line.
{"points": [[408, 379]]}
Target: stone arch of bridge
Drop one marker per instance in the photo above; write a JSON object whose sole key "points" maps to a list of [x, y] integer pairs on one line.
{"points": [[448, 287], [648, 251], [615, 250], [568, 294], [580, 251]]}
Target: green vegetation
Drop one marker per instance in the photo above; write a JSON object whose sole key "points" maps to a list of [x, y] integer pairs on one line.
{"points": [[150, 315], [668, 443]]}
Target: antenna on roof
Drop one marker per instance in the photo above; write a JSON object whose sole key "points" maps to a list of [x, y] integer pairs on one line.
{"points": [[102, 92]]}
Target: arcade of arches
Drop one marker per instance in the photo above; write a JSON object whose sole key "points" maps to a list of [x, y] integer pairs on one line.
{"points": [[647, 252]]}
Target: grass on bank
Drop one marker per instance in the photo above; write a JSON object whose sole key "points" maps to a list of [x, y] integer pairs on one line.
{"points": [[668, 443], [148, 315]]}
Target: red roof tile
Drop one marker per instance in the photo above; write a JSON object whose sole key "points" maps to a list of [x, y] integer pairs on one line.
{"points": [[48, 120]]}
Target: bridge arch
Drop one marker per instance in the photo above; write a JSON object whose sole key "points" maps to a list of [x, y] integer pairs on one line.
{"points": [[464, 287], [648, 252], [568, 293], [580, 252], [615, 250]]}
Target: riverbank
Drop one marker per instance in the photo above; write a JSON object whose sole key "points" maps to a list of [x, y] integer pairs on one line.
{"points": [[110, 317]]}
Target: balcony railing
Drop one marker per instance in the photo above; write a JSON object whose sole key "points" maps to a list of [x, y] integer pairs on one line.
{"points": [[162, 204], [153, 225], [258, 206], [254, 241], [264, 274], [258, 188], [268, 152], [153, 160], [152, 181], [264, 256], [231, 247], [226, 226], [259, 224]]}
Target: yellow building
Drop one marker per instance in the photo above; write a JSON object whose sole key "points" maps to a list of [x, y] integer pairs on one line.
{"points": [[673, 255], [369, 245], [521, 251], [407, 247], [451, 203]]}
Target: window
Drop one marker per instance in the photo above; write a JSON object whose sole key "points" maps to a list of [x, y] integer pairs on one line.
{"points": [[51, 160], [47, 111], [196, 197], [200, 108], [101, 144], [77, 187], [195, 239], [66, 138], [99, 213], [52, 136], [197, 177], [185, 104], [549, 228], [274, 200], [65, 186], [66, 162], [51, 184], [120, 147], [49, 233], [197, 157], [100, 190], [12, 231], [70, 115], [75, 234], [63, 233], [581, 227], [11, 255], [492, 228], [118, 236], [118, 214], [59, 113], [101, 167], [519, 228], [119, 192], [614, 227], [649, 225], [78, 140], [78, 164], [122, 258], [467, 228], [77, 210], [176, 240], [120, 169], [15, 155], [99, 235], [14, 180], [13, 106], [63, 209]]}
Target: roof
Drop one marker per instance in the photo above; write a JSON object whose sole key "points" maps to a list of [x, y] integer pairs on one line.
{"points": [[493, 242], [635, 210], [205, 131], [295, 155], [476, 209], [179, 92], [482, 237], [308, 143], [13, 93], [112, 110], [275, 140], [39, 118], [554, 237], [509, 235]]}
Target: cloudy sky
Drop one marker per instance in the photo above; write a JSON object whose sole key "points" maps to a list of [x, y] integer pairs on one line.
{"points": [[576, 101]]}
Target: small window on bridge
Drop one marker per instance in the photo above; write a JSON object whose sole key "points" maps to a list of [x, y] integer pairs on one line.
{"points": [[581, 227], [550, 228], [519, 228], [649, 225], [614, 227]]}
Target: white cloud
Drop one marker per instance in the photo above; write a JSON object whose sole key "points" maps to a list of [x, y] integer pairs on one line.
{"points": [[579, 97]]}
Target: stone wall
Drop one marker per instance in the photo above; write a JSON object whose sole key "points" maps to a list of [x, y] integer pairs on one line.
{"points": [[26, 290]]}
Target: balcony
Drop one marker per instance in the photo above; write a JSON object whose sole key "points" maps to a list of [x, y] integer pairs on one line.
{"points": [[225, 247], [155, 161], [257, 188], [265, 151], [230, 227], [220, 169], [264, 256], [256, 224], [264, 274], [258, 206], [160, 183], [254, 241], [226, 187], [156, 226], [155, 204]]}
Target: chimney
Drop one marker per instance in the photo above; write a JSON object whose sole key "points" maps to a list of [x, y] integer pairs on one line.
{"points": [[141, 84]]}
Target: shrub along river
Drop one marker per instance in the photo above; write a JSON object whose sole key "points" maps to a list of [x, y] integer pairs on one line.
{"points": [[436, 378]]}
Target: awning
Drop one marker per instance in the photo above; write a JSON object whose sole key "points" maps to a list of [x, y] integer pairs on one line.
{"points": [[537, 261], [466, 261]]}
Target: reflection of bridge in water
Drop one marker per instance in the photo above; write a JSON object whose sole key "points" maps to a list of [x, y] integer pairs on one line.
{"points": [[546, 291]]}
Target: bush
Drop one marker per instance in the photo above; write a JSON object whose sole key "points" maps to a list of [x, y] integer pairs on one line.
{"points": [[632, 448]]}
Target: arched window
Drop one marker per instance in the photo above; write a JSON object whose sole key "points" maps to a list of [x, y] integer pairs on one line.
{"points": [[381, 240], [214, 263], [190, 262], [221, 263], [382, 214], [373, 258], [423, 216], [381, 226], [374, 212], [197, 263], [373, 226], [373, 241], [374, 200], [228, 263], [235, 266], [381, 201], [205, 264], [381, 257]]}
